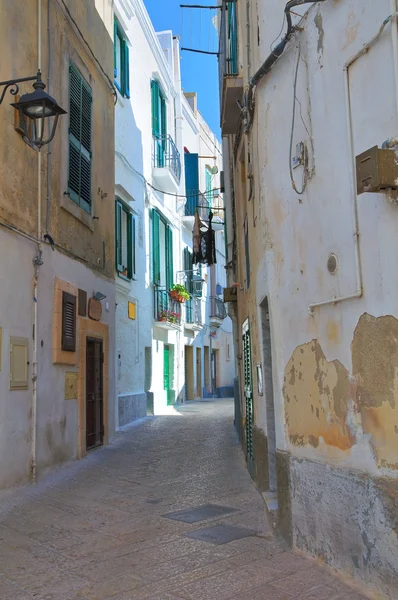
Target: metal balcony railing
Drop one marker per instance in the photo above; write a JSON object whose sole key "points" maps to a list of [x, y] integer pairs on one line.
{"points": [[203, 203], [193, 312], [166, 155], [196, 201], [217, 308], [167, 310]]}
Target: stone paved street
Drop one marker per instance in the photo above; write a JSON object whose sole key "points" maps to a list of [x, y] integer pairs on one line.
{"points": [[95, 530]]}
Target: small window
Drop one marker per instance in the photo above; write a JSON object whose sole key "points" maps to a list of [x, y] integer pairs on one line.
{"points": [[121, 61], [19, 364], [125, 241], [68, 322]]}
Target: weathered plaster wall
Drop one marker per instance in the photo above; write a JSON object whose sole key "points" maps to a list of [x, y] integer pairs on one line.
{"points": [[334, 372]]}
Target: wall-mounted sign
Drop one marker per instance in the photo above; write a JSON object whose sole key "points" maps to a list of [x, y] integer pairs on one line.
{"points": [[94, 309], [132, 311], [230, 294]]}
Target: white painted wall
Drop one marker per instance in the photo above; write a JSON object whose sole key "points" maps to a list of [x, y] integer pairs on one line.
{"points": [[57, 418], [293, 271]]}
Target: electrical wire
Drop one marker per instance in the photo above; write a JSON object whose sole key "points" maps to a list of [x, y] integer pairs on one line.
{"points": [[278, 36], [304, 182], [120, 155], [113, 89]]}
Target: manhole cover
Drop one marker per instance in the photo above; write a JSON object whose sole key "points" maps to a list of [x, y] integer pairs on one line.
{"points": [[220, 534], [200, 513]]}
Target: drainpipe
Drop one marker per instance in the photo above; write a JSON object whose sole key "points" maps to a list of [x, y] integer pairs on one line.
{"points": [[394, 35], [350, 138], [37, 261], [49, 57]]}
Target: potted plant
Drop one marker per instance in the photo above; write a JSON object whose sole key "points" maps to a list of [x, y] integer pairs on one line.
{"points": [[179, 293], [162, 315]]}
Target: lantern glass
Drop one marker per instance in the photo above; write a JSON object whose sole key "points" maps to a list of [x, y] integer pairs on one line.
{"points": [[38, 111]]}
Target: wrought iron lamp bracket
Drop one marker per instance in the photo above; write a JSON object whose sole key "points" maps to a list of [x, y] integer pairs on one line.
{"points": [[13, 83]]}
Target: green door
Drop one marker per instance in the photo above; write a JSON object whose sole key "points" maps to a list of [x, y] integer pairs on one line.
{"points": [[248, 385], [166, 374]]}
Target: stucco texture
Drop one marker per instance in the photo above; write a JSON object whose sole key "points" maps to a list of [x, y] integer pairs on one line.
{"points": [[324, 402]]}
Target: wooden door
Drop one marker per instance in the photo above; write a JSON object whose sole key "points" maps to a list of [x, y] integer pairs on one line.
{"points": [[94, 394]]}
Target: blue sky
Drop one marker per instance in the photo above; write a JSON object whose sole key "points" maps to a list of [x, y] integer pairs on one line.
{"points": [[199, 72]]}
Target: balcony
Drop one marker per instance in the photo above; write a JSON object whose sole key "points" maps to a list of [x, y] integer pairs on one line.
{"points": [[193, 314], [218, 312], [166, 164], [196, 201], [167, 311], [231, 84], [204, 203]]}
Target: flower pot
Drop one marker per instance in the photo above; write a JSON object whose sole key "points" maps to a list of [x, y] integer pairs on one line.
{"points": [[181, 299], [173, 294]]}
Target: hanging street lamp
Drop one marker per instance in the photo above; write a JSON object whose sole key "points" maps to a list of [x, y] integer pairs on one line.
{"points": [[34, 109]]}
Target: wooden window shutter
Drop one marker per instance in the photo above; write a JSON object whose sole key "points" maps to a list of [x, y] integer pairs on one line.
{"points": [[129, 245], [133, 264], [155, 247], [163, 118], [169, 257], [114, 48], [126, 69], [80, 109], [68, 322], [155, 109], [118, 237]]}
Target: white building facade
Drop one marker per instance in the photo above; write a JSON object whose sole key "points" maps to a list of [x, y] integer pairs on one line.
{"points": [[155, 334]]}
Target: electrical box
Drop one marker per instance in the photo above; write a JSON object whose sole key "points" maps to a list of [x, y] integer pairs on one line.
{"points": [[377, 170]]}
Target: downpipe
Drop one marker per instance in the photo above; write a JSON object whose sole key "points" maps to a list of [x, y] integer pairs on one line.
{"points": [[37, 262]]}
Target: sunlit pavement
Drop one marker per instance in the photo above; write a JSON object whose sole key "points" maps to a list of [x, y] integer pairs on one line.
{"points": [[95, 530]]}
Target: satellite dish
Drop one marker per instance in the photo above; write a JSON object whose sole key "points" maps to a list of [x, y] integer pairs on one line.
{"points": [[214, 170]]}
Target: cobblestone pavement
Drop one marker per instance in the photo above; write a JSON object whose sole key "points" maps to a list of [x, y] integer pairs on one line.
{"points": [[95, 530]]}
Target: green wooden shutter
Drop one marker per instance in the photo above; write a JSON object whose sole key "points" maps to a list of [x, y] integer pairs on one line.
{"points": [[126, 69], [114, 48], [155, 247], [155, 109], [169, 257], [80, 109], [248, 385], [129, 245], [118, 220], [133, 220], [163, 116]]}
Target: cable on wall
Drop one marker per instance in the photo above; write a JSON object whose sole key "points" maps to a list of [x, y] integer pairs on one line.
{"points": [[305, 167], [111, 85]]}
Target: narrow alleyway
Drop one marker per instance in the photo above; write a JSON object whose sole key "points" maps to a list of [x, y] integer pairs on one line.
{"points": [[97, 529]]}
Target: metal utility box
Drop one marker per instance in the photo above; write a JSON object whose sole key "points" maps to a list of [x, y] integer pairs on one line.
{"points": [[377, 170]]}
